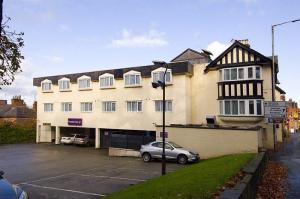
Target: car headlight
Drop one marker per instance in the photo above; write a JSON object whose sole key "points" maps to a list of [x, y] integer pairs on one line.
{"points": [[20, 193], [192, 153]]}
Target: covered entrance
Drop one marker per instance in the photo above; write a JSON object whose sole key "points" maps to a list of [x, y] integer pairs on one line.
{"points": [[128, 139]]}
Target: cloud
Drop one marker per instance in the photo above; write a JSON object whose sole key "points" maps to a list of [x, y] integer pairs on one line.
{"points": [[152, 38], [53, 59], [64, 27], [22, 85], [216, 48]]}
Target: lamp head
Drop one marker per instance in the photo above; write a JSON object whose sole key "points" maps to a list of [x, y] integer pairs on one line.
{"points": [[155, 85]]}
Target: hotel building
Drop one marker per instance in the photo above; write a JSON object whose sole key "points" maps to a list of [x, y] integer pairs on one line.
{"points": [[119, 107]]}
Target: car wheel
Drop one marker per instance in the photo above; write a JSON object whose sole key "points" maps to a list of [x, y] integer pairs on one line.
{"points": [[182, 159], [146, 157]]}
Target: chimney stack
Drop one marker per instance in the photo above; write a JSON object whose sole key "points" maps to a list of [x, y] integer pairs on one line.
{"points": [[3, 103], [16, 101], [245, 42]]}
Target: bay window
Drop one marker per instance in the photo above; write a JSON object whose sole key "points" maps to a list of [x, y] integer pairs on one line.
{"points": [[241, 107], [240, 73]]}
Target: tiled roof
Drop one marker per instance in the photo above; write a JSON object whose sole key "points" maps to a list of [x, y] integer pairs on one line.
{"points": [[16, 112], [177, 68]]}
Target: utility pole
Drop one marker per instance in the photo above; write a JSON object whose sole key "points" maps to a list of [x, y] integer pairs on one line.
{"points": [[273, 70]]}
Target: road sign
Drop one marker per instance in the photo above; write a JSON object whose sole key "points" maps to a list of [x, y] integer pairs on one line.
{"points": [[275, 112], [275, 120], [162, 134]]}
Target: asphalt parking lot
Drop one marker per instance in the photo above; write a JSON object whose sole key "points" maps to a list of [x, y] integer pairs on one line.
{"points": [[60, 172]]}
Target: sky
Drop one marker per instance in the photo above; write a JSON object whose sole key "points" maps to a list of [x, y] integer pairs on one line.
{"points": [[69, 36]]}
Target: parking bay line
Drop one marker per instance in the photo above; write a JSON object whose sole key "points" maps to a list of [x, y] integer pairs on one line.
{"points": [[68, 190], [111, 177]]}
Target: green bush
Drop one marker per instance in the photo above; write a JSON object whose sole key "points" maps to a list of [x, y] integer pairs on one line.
{"points": [[11, 134]]}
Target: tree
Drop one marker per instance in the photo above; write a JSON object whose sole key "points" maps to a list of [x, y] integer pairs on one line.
{"points": [[11, 57]]}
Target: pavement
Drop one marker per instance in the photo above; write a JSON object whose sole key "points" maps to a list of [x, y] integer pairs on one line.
{"points": [[60, 172], [290, 157]]}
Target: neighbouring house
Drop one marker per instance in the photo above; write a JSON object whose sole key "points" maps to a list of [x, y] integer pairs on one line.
{"points": [[292, 122], [215, 106], [17, 113]]}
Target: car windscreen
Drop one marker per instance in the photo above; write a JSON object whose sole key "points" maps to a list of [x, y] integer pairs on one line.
{"points": [[175, 145], [80, 136]]}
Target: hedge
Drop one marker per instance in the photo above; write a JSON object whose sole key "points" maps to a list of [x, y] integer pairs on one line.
{"points": [[12, 134]]}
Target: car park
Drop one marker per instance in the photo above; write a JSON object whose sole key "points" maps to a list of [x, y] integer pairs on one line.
{"points": [[173, 151], [10, 191]]}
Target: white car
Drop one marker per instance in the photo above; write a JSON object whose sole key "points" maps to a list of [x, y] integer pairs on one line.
{"points": [[68, 140]]}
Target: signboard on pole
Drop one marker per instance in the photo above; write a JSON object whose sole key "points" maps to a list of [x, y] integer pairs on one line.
{"points": [[162, 134], [275, 112]]}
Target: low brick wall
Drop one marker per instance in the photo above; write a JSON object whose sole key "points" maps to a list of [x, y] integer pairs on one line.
{"points": [[247, 187]]}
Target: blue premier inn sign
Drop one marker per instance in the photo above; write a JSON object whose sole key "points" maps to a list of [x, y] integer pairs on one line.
{"points": [[275, 112], [75, 121]]}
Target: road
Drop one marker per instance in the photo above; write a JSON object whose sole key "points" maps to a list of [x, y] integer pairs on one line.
{"points": [[290, 157]]}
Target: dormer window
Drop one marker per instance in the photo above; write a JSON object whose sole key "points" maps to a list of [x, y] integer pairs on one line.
{"points": [[132, 79], [84, 83], [106, 80], [64, 84], [46, 85], [158, 75]]}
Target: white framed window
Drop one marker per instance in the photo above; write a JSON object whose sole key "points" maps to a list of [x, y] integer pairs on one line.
{"points": [[106, 80], [48, 107], [240, 73], [159, 105], [84, 83], [64, 84], [158, 75], [134, 106], [257, 72], [86, 106], [109, 106], [66, 106], [46, 85], [132, 78], [236, 107]]}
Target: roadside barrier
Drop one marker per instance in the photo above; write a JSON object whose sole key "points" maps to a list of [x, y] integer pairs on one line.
{"points": [[247, 187]]}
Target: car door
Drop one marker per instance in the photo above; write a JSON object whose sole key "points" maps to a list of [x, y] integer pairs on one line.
{"points": [[156, 150], [170, 152]]}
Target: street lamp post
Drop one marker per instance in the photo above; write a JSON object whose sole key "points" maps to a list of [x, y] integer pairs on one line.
{"points": [[162, 84], [273, 69]]}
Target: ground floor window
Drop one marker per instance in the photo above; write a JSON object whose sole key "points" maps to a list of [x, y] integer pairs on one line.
{"points": [[134, 106], [108, 106], [66, 106], [48, 107], [159, 105], [241, 107], [86, 106]]}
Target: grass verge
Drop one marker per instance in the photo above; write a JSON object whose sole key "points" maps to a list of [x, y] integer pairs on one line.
{"points": [[10, 134], [192, 182]]}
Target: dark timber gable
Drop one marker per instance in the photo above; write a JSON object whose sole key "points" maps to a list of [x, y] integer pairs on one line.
{"points": [[236, 55]]}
